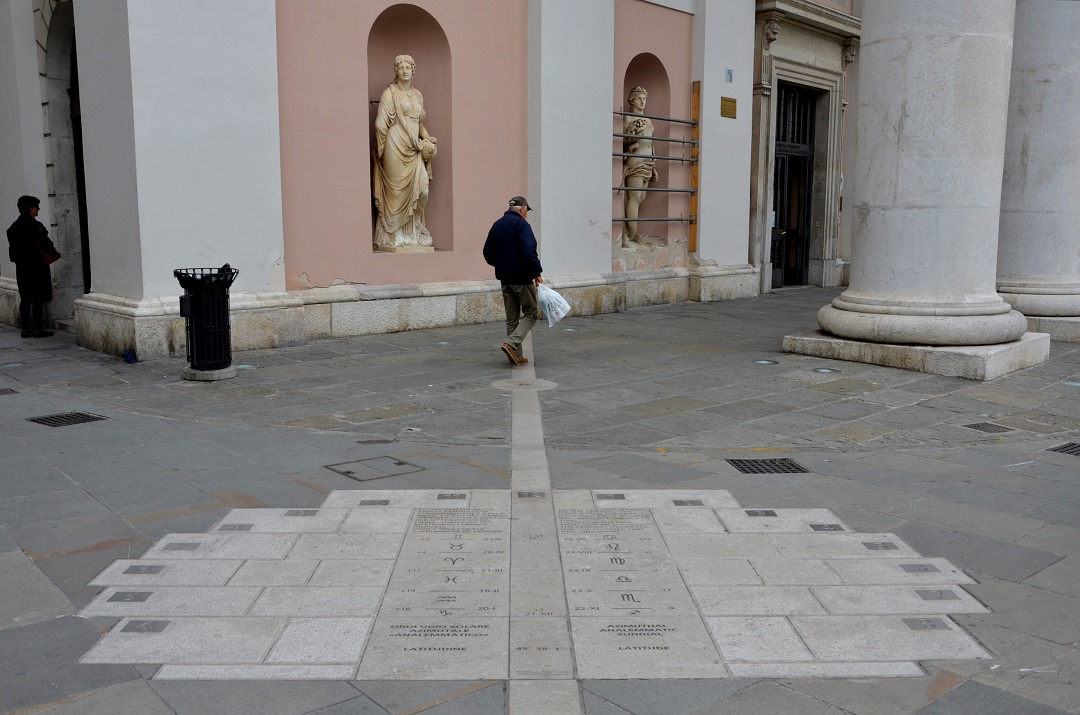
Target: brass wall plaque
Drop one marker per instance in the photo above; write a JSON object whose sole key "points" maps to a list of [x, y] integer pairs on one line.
{"points": [[727, 107]]}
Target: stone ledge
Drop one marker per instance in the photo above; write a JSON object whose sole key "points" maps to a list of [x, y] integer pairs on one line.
{"points": [[974, 362], [1066, 330]]}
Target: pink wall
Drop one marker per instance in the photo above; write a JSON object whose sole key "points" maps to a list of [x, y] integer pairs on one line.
{"points": [[646, 29], [326, 126]]}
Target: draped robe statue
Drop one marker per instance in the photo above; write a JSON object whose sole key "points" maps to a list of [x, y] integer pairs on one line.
{"points": [[403, 153]]}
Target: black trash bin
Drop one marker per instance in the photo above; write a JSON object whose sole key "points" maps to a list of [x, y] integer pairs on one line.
{"points": [[205, 304]]}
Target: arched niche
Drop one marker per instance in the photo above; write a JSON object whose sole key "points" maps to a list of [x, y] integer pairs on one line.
{"points": [[67, 197], [405, 29], [647, 71]]}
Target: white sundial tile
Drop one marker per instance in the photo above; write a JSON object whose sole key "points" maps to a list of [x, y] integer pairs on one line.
{"points": [[706, 571], [344, 572], [376, 521], [649, 647], [321, 640], [425, 648], [899, 571], [285, 572], [935, 598], [757, 639], [688, 520], [281, 521], [885, 638], [222, 546], [841, 546], [334, 601], [346, 546], [663, 498], [263, 671], [167, 572], [172, 601], [196, 640], [756, 601], [404, 498], [796, 572], [751, 521], [721, 546]]}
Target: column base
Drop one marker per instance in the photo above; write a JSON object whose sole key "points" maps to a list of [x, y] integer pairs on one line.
{"points": [[942, 329], [1066, 330], [974, 362]]}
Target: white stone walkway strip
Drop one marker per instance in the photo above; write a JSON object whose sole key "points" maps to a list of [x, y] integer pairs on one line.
{"points": [[544, 697], [541, 646]]}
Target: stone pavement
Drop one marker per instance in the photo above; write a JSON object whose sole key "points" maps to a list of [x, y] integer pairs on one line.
{"points": [[204, 543]]}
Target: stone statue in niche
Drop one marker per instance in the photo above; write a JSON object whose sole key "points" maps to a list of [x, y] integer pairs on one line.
{"points": [[640, 170], [403, 153]]}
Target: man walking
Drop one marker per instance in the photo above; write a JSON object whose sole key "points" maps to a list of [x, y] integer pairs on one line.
{"points": [[511, 248]]}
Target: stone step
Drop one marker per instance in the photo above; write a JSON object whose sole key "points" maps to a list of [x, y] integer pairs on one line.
{"points": [[66, 326]]}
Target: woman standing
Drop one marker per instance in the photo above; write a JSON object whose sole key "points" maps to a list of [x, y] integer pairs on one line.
{"points": [[28, 243], [403, 153]]}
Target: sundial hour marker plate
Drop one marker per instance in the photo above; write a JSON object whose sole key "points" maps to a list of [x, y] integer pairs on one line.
{"points": [[144, 626], [140, 569], [130, 596], [926, 624]]}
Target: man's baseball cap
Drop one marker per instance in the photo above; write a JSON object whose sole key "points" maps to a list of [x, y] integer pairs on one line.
{"points": [[519, 201]]}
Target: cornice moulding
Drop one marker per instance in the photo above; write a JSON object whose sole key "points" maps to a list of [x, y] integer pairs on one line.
{"points": [[810, 14]]}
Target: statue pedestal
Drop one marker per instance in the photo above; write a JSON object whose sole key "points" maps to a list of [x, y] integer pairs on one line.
{"points": [[650, 255], [404, 249]]}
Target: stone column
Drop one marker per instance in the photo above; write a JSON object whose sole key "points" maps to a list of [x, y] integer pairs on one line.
{"points": [[933, 92], [1039, 247]]}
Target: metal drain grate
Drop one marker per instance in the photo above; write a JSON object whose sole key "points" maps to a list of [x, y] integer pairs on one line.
{"points": [[7, 391], [65, 419], [989, 427], [767, 466], [1072, 448]]}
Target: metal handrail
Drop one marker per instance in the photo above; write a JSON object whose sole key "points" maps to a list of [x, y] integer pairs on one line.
{"points": [[691, 219], [655, 139], [631, 188], [691, 122], [692, 160]]}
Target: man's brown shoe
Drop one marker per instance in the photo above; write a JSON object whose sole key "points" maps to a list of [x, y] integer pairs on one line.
{"points": [[511, 354], [523, 360]]}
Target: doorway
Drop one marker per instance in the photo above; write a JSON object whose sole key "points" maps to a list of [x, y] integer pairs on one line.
{"points": [[793, 183]]}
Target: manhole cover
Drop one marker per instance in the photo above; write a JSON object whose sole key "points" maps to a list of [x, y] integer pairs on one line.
{"points": [[375, 468], [66, 418], [989, 427], [767, 466], [1072, 448]]}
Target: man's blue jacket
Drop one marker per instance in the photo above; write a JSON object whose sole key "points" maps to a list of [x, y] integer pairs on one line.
{"points": [[511, 248]]}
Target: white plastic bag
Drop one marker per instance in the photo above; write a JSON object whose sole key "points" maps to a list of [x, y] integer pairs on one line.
{"points": [[554, 305]]}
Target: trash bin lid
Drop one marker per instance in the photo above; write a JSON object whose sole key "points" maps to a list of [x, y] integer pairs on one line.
{"points": [[195, 277]]}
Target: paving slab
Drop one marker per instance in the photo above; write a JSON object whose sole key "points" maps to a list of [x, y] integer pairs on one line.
{"points": [[38, 663], [973, 698], [26, 596]]}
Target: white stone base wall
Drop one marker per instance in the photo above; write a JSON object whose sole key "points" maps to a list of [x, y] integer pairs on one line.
{"points": [[153, 329]]}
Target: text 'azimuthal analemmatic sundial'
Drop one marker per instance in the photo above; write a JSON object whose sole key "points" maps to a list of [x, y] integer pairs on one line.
{"points": [[499, 584]]}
